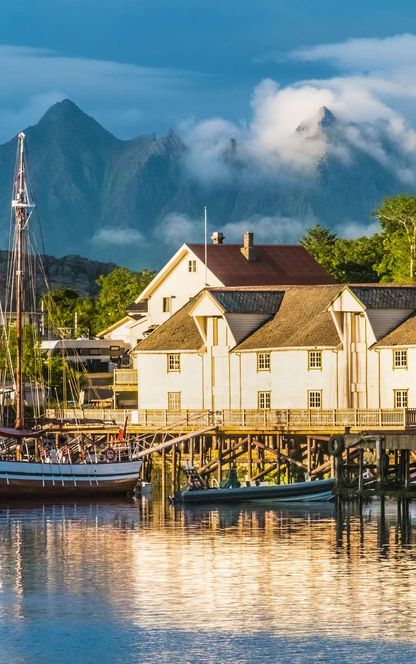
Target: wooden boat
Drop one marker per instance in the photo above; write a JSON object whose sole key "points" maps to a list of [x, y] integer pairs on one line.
{"points": [[299, 492], [48, 463], [197, 491]]}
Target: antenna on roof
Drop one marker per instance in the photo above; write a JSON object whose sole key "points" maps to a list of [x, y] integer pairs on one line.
{"points": [[206, 244]]}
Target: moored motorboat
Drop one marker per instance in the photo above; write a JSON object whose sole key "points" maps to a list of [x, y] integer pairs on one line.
{"points": [[319, 490], [198, 492]]}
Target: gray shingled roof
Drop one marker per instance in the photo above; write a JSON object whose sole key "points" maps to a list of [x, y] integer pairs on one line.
{"points": [[386, 297], [248, 302], [301, 321], [403, 335]]}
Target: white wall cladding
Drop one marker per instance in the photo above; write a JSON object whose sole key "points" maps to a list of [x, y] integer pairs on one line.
{"points": [[289, 379], [397, 379], [155, 381], [181, 285]]}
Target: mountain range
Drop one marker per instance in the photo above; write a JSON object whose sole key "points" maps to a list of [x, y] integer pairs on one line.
{"points": [[134, 201]]}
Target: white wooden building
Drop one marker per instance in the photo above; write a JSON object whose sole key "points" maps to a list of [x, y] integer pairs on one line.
{"points": [[283, 347]]}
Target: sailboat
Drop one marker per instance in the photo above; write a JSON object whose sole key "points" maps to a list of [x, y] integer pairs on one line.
{"points": [[36, 462]]}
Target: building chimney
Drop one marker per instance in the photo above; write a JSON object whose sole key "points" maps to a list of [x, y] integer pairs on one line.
{"points": [[217, 238], [248, 249]]}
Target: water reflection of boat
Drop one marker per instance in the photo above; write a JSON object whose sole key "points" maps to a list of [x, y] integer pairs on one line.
{"points": [[197, 491]]}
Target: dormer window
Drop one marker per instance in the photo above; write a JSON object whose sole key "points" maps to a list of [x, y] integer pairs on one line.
{"points": [[192, 266], [400, 358]]}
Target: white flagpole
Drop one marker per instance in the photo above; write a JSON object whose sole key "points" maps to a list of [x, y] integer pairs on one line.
{"points": [[206, 244]]}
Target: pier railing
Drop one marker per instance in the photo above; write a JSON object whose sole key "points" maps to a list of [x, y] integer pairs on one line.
{"points": [[300, 419]]}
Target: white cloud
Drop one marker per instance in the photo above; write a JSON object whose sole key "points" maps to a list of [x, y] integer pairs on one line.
{"points": [[373, 102], [119, 237], [177, 228], [364, 54], [267, 230], [353, 229]]}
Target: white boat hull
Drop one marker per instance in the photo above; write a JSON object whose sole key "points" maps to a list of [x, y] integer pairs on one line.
{"points": [[36, 479]]}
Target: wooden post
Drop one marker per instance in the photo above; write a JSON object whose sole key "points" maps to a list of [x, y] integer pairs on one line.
{"points": [[163, 475], [191, 451], [278, 442], [360, 469], [308, 456], [201, 450], [379, 454], [396, 466], [406, 469], [174, 469], [250, 458], [219, 445]]}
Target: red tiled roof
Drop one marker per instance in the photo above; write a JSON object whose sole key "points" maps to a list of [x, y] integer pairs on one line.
{"points": [[275, 264]]}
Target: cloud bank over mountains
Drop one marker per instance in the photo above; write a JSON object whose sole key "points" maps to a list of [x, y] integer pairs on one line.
{"points": [[370, 96], [322, 149]]}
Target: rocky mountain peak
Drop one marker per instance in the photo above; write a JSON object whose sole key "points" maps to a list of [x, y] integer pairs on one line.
{"points": [[315, 125]]}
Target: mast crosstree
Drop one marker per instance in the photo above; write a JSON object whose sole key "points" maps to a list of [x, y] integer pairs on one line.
{"points": [[22, 207]]}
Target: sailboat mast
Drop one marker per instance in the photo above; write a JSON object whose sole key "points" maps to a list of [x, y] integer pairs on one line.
{"points": [[22, 209]]}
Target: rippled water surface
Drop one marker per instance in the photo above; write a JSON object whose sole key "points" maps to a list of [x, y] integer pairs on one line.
{"points": [[137, 582]]}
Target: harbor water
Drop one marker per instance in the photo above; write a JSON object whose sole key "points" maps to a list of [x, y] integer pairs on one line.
{"points": [[139, 581]]}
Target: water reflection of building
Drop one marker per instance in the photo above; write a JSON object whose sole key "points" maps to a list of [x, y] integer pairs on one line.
{"points": [[237, 570]]}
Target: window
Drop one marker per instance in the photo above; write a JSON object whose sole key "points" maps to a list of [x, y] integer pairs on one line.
{"points": [[94, 351], [174, 362], [191, 266], [174, 400], [401, 398], [400, 359], [314, 359], [114, 347], [167, 305], [315, 399], [263, 361], [264, 400]]}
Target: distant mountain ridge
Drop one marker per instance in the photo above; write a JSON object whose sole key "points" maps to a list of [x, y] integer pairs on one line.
{"points": [[68, 272], [107, 199]]}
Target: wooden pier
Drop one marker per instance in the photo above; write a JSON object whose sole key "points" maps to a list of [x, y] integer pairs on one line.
{"points": [[378, 455]]}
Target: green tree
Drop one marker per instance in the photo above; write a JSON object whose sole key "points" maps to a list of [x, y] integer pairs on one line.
{"points": [[320, 243], [86, 311], [397, 216], [117, 290], [355, 260], [358, 260], [60, 305]]}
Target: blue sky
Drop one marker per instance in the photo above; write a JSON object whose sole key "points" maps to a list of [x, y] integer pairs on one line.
{"points": [[146, 65]]}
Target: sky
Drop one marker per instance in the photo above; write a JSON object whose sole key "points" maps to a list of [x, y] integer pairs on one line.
{"points": [[147, 65]]}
